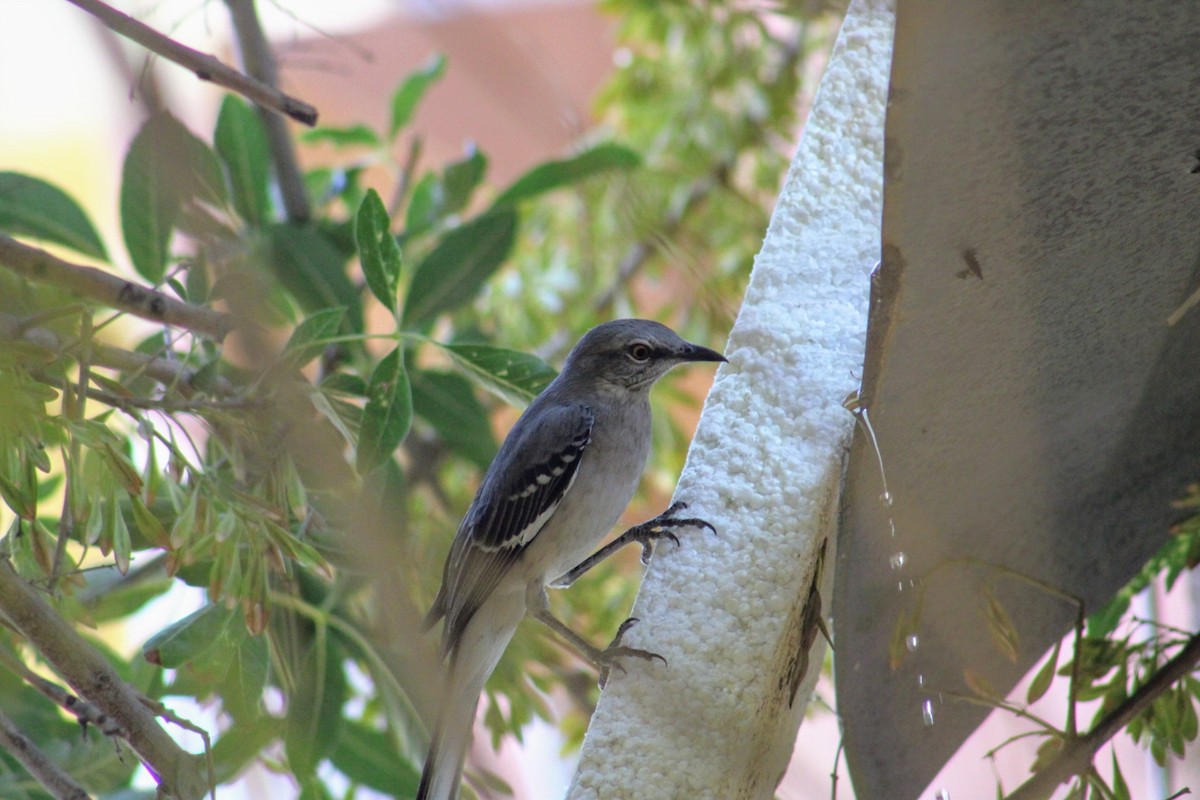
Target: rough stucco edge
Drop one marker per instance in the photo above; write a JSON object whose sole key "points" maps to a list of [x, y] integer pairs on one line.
{"points": [[764, 468]]}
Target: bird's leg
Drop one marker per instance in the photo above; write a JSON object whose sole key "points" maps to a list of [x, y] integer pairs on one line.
{"points": [[645, 534], [604, 660]]}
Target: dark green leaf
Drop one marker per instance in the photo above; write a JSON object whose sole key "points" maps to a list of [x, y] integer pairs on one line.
{"points": [[312, 336], [1041, 682], [354, 136], [312, 788], [314, 717], [447, 402], [188, 638], [368, 757], [388, 414], [241, 143], [165, 167], [557, 174], [408, 95], [453, 272], [460, 180], [31, 207], [423, 209], [513, 376], [313, 270], [377, 249]]}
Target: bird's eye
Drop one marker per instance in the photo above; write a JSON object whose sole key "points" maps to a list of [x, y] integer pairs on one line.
{"points": [[639, 351]]}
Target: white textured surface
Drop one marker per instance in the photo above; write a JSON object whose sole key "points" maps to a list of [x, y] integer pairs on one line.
{"points": [[764, 468]]}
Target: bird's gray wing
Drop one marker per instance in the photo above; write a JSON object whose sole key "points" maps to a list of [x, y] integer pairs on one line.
{"points": [[536, 466]]}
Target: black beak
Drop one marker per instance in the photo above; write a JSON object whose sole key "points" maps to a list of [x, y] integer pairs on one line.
{"points": [[694, 352]]}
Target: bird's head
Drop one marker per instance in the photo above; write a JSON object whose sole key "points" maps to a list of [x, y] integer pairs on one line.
{"points": [[631, 354]]}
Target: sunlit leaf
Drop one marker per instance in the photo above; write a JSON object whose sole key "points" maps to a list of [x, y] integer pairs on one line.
{"points": [[408, 95], [1045, 676], [557, 174], [388, 414], [311, 337], [352, 136], [513, 376], [32, 207], [377, 249]]}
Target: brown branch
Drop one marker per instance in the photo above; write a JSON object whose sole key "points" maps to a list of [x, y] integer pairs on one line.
{"points": [[96, 284], [258, 61], [1076, 756], [206, 67], [180, 774], [52, 778]]}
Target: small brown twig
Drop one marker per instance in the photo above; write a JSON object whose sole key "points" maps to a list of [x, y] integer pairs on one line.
{"points": [[104, 287], [55, 781], [205, 66]]}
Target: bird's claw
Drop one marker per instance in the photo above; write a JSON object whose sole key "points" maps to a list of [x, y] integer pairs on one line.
{"points": [[660, 527], [610, 657]]}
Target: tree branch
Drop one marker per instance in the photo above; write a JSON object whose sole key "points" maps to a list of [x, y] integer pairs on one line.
{"points": [[96, 284], [257, 59], [1076, 756], [179, 773], [58, 783], [205, 66]]}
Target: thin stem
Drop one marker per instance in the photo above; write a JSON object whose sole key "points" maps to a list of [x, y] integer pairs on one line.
{"points": [[206, 67], [55, 781], [104, 287]]}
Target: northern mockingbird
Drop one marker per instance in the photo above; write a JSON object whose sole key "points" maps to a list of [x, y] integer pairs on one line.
{"points": [[560, 481]]}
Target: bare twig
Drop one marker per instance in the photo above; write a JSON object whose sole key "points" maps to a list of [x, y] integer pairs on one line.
{"points": [[1077, 753], [180, 774], [205, 66], [80, 280], [58, 783], [258, 61]]}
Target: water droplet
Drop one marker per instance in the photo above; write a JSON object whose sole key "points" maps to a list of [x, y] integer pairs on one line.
{"points": [[942, 794], [886, 498], [927, 712], [899, 586], [898, 559], [912, 642], [920, 680]]}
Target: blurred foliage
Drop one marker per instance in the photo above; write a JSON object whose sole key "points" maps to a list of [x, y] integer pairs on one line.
{"points": [[332, 443]]}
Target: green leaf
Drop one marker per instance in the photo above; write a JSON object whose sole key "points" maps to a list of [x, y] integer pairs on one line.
{"points": [[513, 376], [354, 136], [377, 249], [1120, 788], [1041, 682], [312, 788], [241, 143], [453, 272], [243, 685], [314, 717], [166, 166], [388, 414], [557, 174], [447, 401], [312, 336], [422, 211], [368, 757], [124, 599], [240, 744], [31, 207], [313, 270], [188, 638], [408, 95], [460, 180]]}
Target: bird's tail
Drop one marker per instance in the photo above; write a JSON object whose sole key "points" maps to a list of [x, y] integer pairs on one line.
{"points": [[471, 662]]}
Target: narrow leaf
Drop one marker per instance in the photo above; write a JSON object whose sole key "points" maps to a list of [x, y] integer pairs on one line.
{"points": [[312, 336], [1001, 628], [513, 376], [1120, 788], [243, 683], [388, 414], [188, 638], [241, 143], [377, 249], [460, 180], [314, 717], [1045, 676], [354, 136], [31, 207], [408, 95], [557, 174], [452, 274]]}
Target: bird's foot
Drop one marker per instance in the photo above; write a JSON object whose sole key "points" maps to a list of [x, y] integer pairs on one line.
{"points": [[610, 657], [661, 527]]}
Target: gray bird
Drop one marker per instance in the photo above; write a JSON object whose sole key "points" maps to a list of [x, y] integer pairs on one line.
{"points": [[560, 481]]}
